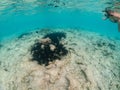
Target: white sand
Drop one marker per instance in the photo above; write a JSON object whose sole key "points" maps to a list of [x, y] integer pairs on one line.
{"points": [[93, 63]]}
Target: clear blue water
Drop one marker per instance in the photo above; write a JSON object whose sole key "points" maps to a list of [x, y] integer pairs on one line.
{"points": [[19, 22]]}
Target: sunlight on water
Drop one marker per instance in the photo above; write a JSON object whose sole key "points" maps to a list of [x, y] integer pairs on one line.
{"points": [[23, 5]]}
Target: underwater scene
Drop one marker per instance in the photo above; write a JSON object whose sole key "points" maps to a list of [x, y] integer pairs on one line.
{"points": [[59, 44]]}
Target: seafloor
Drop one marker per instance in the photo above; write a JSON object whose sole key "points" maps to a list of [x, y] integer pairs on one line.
{"points": [[93, 63]]}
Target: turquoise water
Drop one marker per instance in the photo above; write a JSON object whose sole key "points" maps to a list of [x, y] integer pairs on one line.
{"points": [[17, 22]]}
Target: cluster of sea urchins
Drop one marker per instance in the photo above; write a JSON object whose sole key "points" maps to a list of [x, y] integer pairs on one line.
{"points": [[49, 48]]}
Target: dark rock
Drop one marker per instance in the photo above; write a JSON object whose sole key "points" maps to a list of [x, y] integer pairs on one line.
{"points": [[6, 69], [111, 46], [56, 6], [55, 37], [101, 44], [107, 53], [49, 48]]}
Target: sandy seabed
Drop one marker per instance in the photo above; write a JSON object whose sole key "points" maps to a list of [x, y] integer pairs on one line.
{"points": [[93, 63]]}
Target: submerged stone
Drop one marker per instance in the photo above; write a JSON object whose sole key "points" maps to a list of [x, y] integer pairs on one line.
{"points": [[49, 48]]}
